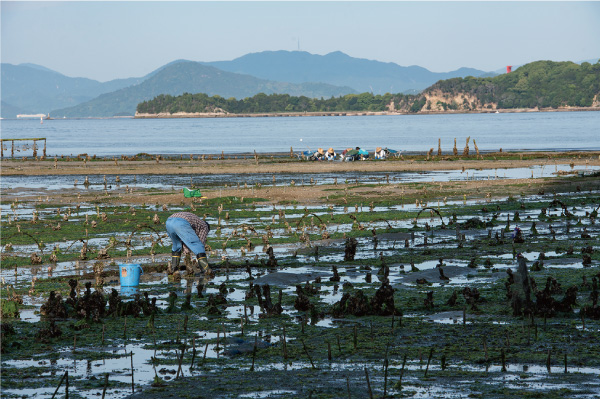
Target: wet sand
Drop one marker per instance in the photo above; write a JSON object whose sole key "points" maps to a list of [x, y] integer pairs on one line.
{"points": [[245, 164], [306, 193]]}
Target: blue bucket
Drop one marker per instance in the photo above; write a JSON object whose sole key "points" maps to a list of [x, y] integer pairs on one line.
{"points": [[130, 274], [129, 291]]}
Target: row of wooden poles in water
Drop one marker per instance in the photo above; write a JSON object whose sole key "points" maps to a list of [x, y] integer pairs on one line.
{"points": [[12, 148], [35, 140]]}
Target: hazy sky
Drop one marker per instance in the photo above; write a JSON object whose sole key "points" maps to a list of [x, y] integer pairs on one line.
{"points": [[109, 40]]}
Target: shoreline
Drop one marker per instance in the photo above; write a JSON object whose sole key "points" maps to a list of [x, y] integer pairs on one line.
{"points": [[165, 115], [183, 115]]}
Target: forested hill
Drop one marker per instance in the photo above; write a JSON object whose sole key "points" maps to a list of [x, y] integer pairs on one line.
{"points": [[541, 84]]}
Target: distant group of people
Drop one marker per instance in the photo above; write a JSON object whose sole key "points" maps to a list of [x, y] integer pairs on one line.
{"points": [[349, 154], [322, 155]]}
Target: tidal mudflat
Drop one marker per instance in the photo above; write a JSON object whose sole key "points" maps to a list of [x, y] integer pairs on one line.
{"points": [[331, 280]]}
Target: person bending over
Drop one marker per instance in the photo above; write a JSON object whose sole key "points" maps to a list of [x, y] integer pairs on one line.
{"points": [[188, 233]]}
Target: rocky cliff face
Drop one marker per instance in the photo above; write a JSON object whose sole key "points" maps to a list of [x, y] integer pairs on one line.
{"points": [[437, 101]]}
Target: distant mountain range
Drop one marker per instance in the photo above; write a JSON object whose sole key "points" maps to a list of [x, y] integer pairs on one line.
{"points": [[193, 77], [340, 69], [29, 88]]}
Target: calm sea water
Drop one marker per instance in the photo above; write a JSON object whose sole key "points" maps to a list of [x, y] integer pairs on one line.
{"points": [[410, 133]]}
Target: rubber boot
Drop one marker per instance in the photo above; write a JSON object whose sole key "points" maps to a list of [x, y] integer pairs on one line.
{"points": [[175, 258], [203, 264]]}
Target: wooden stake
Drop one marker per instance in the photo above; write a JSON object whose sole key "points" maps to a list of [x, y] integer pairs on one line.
{"points": [[368, 384], [204, 357], [402, 369], [348, 386], [59, 384], [105, 385], [285, 354], [485, 349], [428, 362], [67, 384], [254, 351], [193, 352], [132, 380], [385, 375], [308, 354], [180, 360], [328, 351]]}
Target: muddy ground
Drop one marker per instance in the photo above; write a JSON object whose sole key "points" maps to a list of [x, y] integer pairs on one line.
{"points": [[425, 307]]}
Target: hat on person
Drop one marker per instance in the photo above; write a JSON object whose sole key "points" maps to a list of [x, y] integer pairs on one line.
{"points": [[330, 150], [378, 149], [320, 150]]}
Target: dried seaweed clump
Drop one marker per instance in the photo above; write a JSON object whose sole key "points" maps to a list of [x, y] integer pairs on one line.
{"points": [[266, 304], [358, 304]]}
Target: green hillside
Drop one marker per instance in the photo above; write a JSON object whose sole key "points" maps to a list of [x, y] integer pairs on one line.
{"points": [[543, 84]]}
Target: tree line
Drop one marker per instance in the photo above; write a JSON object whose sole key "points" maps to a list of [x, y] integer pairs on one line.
{"points": [[263, 103]]}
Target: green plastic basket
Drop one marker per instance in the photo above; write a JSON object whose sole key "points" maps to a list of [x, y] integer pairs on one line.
{"points": [[187, 193]]}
